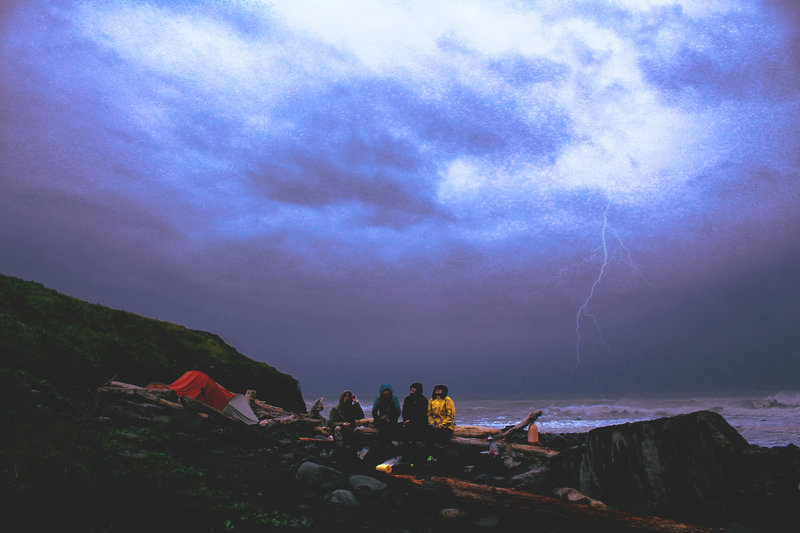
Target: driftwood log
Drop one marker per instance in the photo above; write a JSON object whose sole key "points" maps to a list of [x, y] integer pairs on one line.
{"points": [[467, 437], [470, 432], [548, 509], [530, 419], [161, 405], [527, 450]]}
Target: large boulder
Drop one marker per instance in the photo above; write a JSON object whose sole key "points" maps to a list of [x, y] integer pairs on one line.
{"points": [[687, 467]]}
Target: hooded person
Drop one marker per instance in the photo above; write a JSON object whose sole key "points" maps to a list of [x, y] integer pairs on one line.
{"points": [[342, 418], [415, 414], [385, 412], [441, 417]]}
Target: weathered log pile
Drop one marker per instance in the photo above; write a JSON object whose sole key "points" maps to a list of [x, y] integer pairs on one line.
{"points": [[592, 517], [693, 468], [162, 407]]}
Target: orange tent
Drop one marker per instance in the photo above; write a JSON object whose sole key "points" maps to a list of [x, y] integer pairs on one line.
{"points": [[199, 386]]}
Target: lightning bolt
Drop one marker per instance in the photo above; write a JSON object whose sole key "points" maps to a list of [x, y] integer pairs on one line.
{"points": [[611, 245], [583, 309]]}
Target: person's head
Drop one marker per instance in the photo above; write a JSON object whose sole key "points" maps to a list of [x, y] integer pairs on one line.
{"points": [[416, 388], [346, 397], [440, 391], [385, 391]]}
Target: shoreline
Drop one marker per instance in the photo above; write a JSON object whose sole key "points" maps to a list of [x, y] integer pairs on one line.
{"points": [[764, 418]]}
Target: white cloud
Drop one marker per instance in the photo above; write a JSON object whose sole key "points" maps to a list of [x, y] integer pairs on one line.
{"points": [[623, 140]]}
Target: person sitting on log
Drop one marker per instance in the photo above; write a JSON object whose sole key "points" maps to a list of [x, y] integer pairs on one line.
{"points": [[441, 418], [385, 412], [342, 419], [415, 415]]}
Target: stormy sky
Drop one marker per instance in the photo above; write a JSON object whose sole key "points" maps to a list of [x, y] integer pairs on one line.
{"points": [[530, 197]]}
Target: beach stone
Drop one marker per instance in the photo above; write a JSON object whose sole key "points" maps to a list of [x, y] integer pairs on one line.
{"points": [[366, 484], [315, 474], [452, 513], [341, 497]]}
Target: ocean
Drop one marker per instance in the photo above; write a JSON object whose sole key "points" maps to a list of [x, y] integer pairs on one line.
{"points": [[762, 418]]}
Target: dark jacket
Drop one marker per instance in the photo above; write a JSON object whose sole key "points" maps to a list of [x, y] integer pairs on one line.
{"points": [[415, 408], [390, 407], [345, 412]]}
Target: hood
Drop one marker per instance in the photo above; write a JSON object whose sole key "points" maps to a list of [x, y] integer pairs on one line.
{"points": [[384, 387], [342, 395], [444, 389], [418, 386]]}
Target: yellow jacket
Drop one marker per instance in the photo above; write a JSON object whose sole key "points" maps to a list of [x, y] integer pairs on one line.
{"points": [[441, 412]]}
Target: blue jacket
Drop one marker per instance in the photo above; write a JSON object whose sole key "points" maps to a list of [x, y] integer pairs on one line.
{"points": [[383, 406]]}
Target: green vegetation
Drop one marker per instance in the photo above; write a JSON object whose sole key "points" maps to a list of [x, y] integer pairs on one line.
{"points": [[63, 468], [77, 346]]}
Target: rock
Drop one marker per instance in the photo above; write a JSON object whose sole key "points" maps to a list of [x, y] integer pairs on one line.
{"points": [[686, 467], [366, 485], [452, 513], [568, 494], [314, 474], [342, 497]]}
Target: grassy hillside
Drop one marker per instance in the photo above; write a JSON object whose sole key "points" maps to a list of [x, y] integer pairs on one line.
{"points": [[77, 346], [64, 468]]}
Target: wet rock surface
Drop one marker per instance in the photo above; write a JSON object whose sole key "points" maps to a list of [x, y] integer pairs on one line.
{"points": [[691, 467]]}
